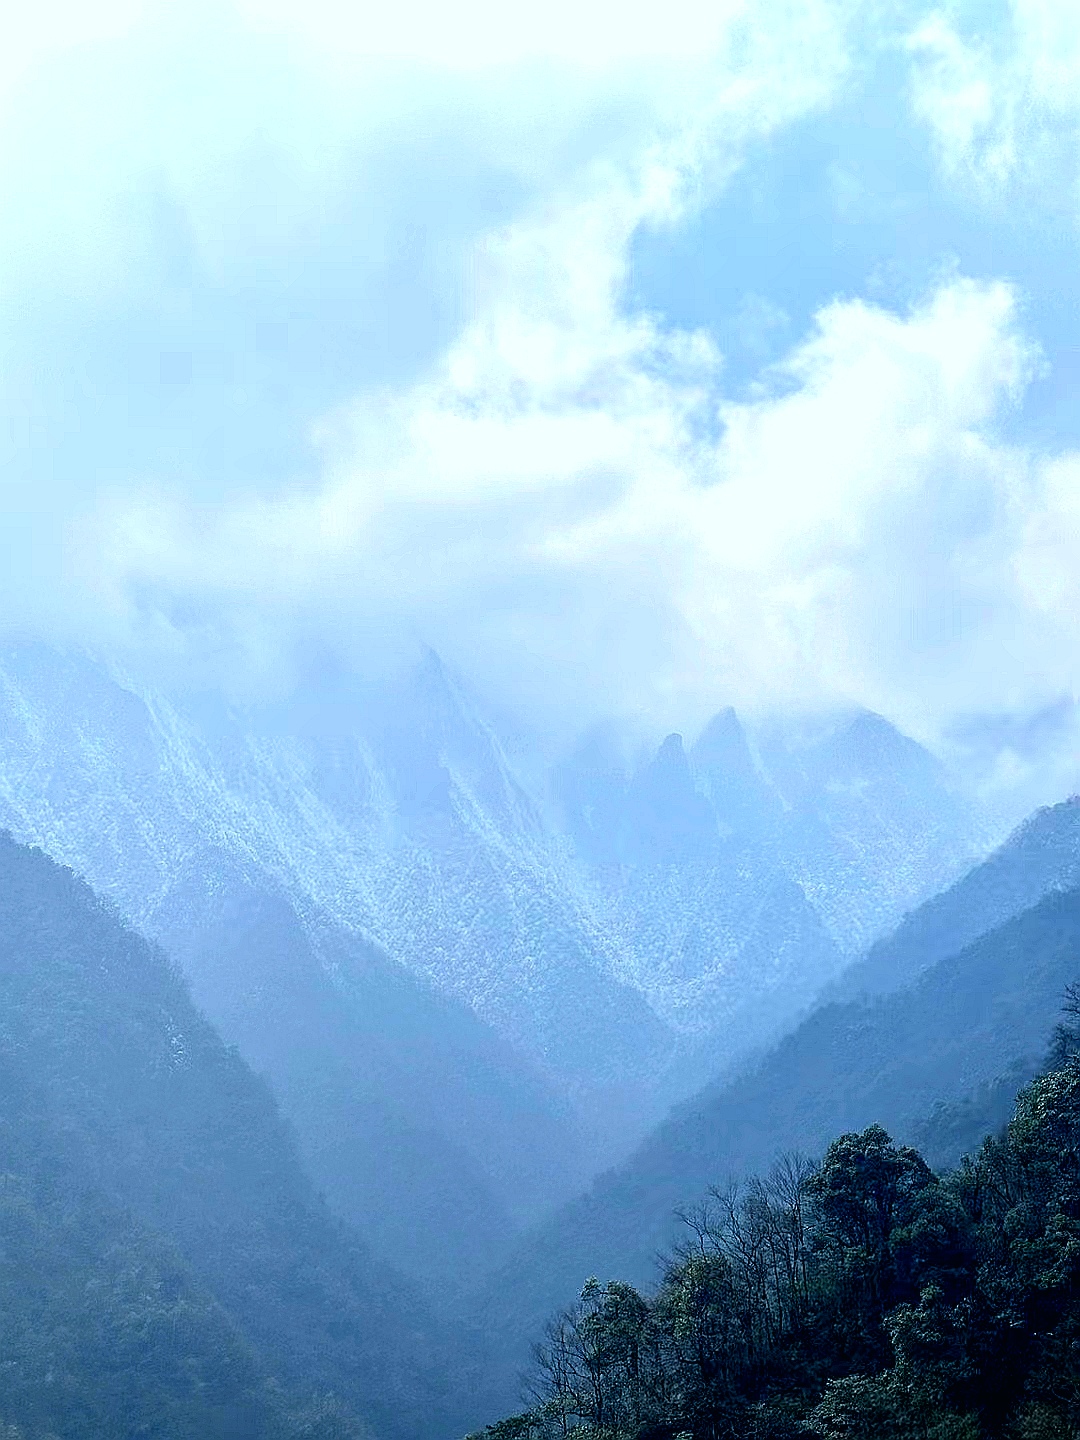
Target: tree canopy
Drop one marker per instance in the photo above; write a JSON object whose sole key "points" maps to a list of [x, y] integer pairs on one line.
{"points": [[861, 1298]]}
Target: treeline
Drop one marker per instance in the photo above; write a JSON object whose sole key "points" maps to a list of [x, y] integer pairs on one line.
{"points": [[863, 1298]]}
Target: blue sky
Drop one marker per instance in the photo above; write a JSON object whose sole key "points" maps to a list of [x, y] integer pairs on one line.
{"points": [[853, 201], [642, 359]]}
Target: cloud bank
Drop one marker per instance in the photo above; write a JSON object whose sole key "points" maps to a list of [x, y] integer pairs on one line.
{"points": [[520, 463]]}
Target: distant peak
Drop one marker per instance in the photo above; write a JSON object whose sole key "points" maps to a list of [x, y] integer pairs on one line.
{"points": [[723, 747], [431, 664], [672, 754], [723, 733], [873, 735], [869, 722]]}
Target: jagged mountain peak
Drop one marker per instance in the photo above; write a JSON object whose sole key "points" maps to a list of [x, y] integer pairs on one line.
{"points": [[666, 817], [669, 768], [438, 750], [672, 752], [875, 745], [723, 744], [861, 747], [745, 801]]}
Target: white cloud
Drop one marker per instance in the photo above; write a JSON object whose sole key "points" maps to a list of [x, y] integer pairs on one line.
{"points": [[558, 509], [1003, 99], [566, 501], [604, 118]]}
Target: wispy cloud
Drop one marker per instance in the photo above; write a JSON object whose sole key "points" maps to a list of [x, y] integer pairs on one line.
{"points": [[999, 87]]}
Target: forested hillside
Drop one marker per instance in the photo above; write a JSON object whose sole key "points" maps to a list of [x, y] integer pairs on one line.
{"points": [[105, 1327], [166, 1267], [1043, 854], [969, 1019], [862, 1298]]}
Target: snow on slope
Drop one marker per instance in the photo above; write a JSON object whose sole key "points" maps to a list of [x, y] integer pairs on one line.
{"points": [[605, 930]]}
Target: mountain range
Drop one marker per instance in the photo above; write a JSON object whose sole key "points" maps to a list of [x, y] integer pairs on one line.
{"points": [[400, 1005], [492, 986]]}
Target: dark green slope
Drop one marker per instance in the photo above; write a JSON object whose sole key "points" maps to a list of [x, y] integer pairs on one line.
{"points": [[1041, 855], [103, 1329], [859, 1298], [179, 1152], [887, 1060]]}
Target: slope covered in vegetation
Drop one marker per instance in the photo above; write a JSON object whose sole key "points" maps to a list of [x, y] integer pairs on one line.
{"points": [[968, 1020], [166, 1268], [1040, 856], [864, 1298]]}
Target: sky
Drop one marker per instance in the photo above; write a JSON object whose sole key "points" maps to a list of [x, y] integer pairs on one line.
{"points": [[641, 359]]}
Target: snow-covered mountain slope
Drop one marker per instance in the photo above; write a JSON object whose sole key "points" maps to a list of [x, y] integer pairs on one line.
{"points": [[618, 931], [707, 923], [873, 826], [734, 895], [416, 839], [406, 1103]]}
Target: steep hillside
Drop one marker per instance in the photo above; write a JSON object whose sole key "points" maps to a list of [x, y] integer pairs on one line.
{"points": [[859, 1297], [1042, 855], [417, 1121], [705, 920], [105, 1329], [873, 826], [195, 842], [735, 887], [394, 816], [967, 1020], [600, 929], [150, 1153]]}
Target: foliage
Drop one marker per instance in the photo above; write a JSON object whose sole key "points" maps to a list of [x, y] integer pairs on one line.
{"points": [[864, 1298], [167, 1270]]}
